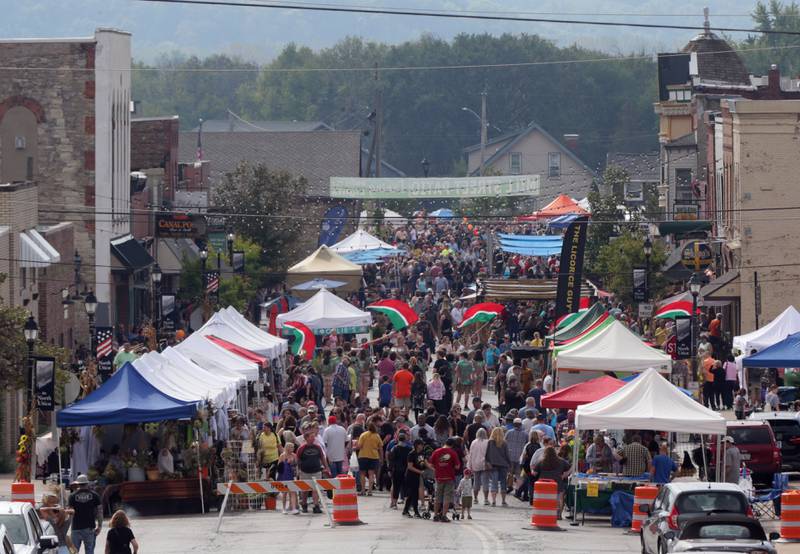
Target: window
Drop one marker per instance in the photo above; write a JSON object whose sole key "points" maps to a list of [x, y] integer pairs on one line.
{"points": [[29, 168], [634, 192], [680, 95], [554, 164], [20, 142], [683, 184], [515, 163]]}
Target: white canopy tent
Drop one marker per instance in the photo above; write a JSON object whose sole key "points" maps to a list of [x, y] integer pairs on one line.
{"points": [[325, 312], [390, 217], [210, 366], [787, 323], [359, 241], [614, 348], [650, 402], [219, 325], [181, 382], [201, 350], [236, 320]]}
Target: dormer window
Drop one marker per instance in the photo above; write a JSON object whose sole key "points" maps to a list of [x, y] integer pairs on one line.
{"points": [[680, 95]]}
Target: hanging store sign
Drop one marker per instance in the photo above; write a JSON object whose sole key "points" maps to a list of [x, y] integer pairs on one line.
{"points": [[178, 226], [439, 187]]}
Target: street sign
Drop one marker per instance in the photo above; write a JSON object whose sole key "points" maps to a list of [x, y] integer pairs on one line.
{"points": [[645, 310], [696, 255], [178, 225]]}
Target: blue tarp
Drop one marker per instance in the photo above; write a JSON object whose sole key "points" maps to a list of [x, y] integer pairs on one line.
{"points": [[531, 239], [125, 398], [621, 509], [374, 256], [781, 354], [531, 251], [531, 245]]}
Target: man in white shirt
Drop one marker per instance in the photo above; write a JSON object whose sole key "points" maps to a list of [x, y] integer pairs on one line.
{"points": [[547, 384], [335, 439], [457, 313]]}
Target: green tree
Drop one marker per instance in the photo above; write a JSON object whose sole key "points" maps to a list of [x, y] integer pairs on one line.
{"points": [[255, 198], [605, 202], [768, 49], [617, 259]]}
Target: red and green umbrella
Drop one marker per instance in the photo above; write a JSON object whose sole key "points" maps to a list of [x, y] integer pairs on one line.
{"points": [[483, 312], [304, 339], [399, 313]]}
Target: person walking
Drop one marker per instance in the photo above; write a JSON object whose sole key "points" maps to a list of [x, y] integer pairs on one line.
{"points": [[403, 381], [59, 518], [465, 371], [436, 391], [416, 464], [465, 494], [497, 463], [88, 519], [731, 380], [335, 439], [476, 462], [370, 457], [525, 490], [446, 463], [287, 471], [312, 464], [268, 451], [733, 461], [556, 469], [516, 439], [120, 539], [398, 463]]}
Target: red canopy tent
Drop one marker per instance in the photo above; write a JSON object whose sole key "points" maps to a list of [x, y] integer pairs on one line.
{"points": [[561, 205], [239, 351], [582, 393]]}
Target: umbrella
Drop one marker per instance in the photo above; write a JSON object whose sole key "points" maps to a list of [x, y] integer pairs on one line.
{"points": [[314, 284], [442, 213]]}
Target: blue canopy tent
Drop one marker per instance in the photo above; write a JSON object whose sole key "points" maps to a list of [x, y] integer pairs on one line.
{"points": [[126, 397], [373, 256], [785, 353], [562, 222], [442, 213]]}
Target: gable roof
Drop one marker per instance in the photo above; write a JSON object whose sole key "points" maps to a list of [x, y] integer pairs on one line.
{"points": [[640, 166], [316, 155], [239, 125], [684, 141], [716, 60], [517, 137]]}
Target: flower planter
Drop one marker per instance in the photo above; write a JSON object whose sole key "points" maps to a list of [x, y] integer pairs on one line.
{"points": [[153, 475], [136, 473]]}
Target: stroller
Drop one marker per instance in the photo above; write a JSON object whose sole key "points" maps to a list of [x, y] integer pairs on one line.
{"points": [[429, 502]]}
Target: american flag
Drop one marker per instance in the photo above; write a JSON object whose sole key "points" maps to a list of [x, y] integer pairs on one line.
{"points": [[103, 336], [212, 282]]}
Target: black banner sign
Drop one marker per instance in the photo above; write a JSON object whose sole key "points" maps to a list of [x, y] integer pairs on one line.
{"points": [[683, 341], [45, 383], [639, 284], [570, 271], [169, 312], [238, 261]]}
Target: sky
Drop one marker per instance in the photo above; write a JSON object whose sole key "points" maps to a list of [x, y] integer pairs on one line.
{"points": [[259, 34]]}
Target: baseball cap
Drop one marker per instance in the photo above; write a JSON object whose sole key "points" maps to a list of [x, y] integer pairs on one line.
{"points": [[517, 420], [729, 439], [332, 420]]}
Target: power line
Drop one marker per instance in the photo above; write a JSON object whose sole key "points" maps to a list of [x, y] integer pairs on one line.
{"points": [[462, 15]]}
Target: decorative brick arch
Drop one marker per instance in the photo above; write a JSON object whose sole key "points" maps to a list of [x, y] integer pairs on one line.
{"points": [[25, 102]]}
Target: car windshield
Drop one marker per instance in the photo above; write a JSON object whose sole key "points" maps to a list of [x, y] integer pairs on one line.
{"points": [[750, 435], [711, 501], [15, 526], [785, 429], [722, 531]]}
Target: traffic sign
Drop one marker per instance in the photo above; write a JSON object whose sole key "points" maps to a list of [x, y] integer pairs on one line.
{"points": [[696, 255]]}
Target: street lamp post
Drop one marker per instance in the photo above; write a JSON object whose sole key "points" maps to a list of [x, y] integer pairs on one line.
{"points": [[694, 288], [31, 332], [155, 275], [203, 258], [90, 305], [426, 166], [231, 236], [648, 251]]}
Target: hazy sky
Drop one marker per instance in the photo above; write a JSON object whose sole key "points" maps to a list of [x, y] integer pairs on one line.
{"points": [[260, 33]]}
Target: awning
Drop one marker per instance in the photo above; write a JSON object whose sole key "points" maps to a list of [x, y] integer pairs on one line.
{"points": [[130, 253], [500, 290], [727, 286], [683, 226], [239, 351], [173, 252], [35, 251]]}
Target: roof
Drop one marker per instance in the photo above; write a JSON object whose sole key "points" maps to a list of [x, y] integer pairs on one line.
{"points": [[684, 141], [716, 60], [325, 311], [325, 260], [131, 253], [785, 353], [785, 324], [640, 166], [315, 155], [234, 124], [582, 393], [684, 486], [518, 136]]}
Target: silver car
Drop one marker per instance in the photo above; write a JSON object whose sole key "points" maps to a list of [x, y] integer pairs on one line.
{"points": [[721, 533]]}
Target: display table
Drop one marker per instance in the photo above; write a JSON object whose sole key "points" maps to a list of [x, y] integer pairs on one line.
{"points": [[166, 492], [607, 484]]}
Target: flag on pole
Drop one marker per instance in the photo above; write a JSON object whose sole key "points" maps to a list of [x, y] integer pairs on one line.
{"points": [[482, 312], [212, 281], [103, 337], [399, 313], [304, 340]]}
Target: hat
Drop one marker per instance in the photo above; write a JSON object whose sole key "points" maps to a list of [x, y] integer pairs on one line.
{"points": [[310, 404], [312, 408], [517, 420], [729, 439], [332, 420], [81, 480]]}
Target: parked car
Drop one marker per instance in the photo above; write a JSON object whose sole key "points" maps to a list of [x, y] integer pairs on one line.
{"points": [[786, 428], [787, 396], [6, 546], [682, 501], [720, 533], [25, 530], [760, 451]]}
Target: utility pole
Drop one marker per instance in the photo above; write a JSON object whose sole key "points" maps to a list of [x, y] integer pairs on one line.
{"points": [[378, 127], [483, 131]]}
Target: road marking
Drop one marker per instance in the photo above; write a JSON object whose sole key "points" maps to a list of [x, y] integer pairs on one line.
{"points": [[486, 535]]}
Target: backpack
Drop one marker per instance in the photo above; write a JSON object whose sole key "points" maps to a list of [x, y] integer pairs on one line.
{"points": [[310, 459], [527, 455]]}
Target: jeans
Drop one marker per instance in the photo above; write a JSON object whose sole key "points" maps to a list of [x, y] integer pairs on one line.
{"points": [[336, 468], [497, 479], [85, 537]]}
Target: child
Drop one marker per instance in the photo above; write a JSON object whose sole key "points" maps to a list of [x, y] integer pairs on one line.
{"points": [[287, 462], [740, 404], [385, 392], [464, 492]]}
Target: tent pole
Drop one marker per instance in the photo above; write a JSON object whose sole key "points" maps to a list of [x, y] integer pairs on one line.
{"points": [[703, 451], [720, 458], [58, 451], [575, 485], [199, 472]]}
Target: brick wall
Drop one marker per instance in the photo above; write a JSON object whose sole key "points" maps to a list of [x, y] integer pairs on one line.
{"points": [[56, 327], [154, 143], [18, 211]]}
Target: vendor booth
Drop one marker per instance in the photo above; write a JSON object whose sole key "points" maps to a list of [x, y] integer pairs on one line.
{"points": [[649, 402], [582, 393], [787, 323], [610, 348], [206, 354], [325, 312], [223, 326], [360, 241], [325, 263]]}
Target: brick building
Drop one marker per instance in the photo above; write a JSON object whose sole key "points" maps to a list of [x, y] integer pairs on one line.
{"points": [[65, 124]]}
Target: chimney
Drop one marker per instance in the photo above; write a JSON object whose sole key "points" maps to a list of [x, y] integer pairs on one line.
{"points": [[571, 141], [774, 81]]}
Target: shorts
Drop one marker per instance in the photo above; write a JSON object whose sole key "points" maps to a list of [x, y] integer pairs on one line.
{"points": [[462, 388], [307, 476], [444, 492], [368, 464], [403, 402], [466, 502]]}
